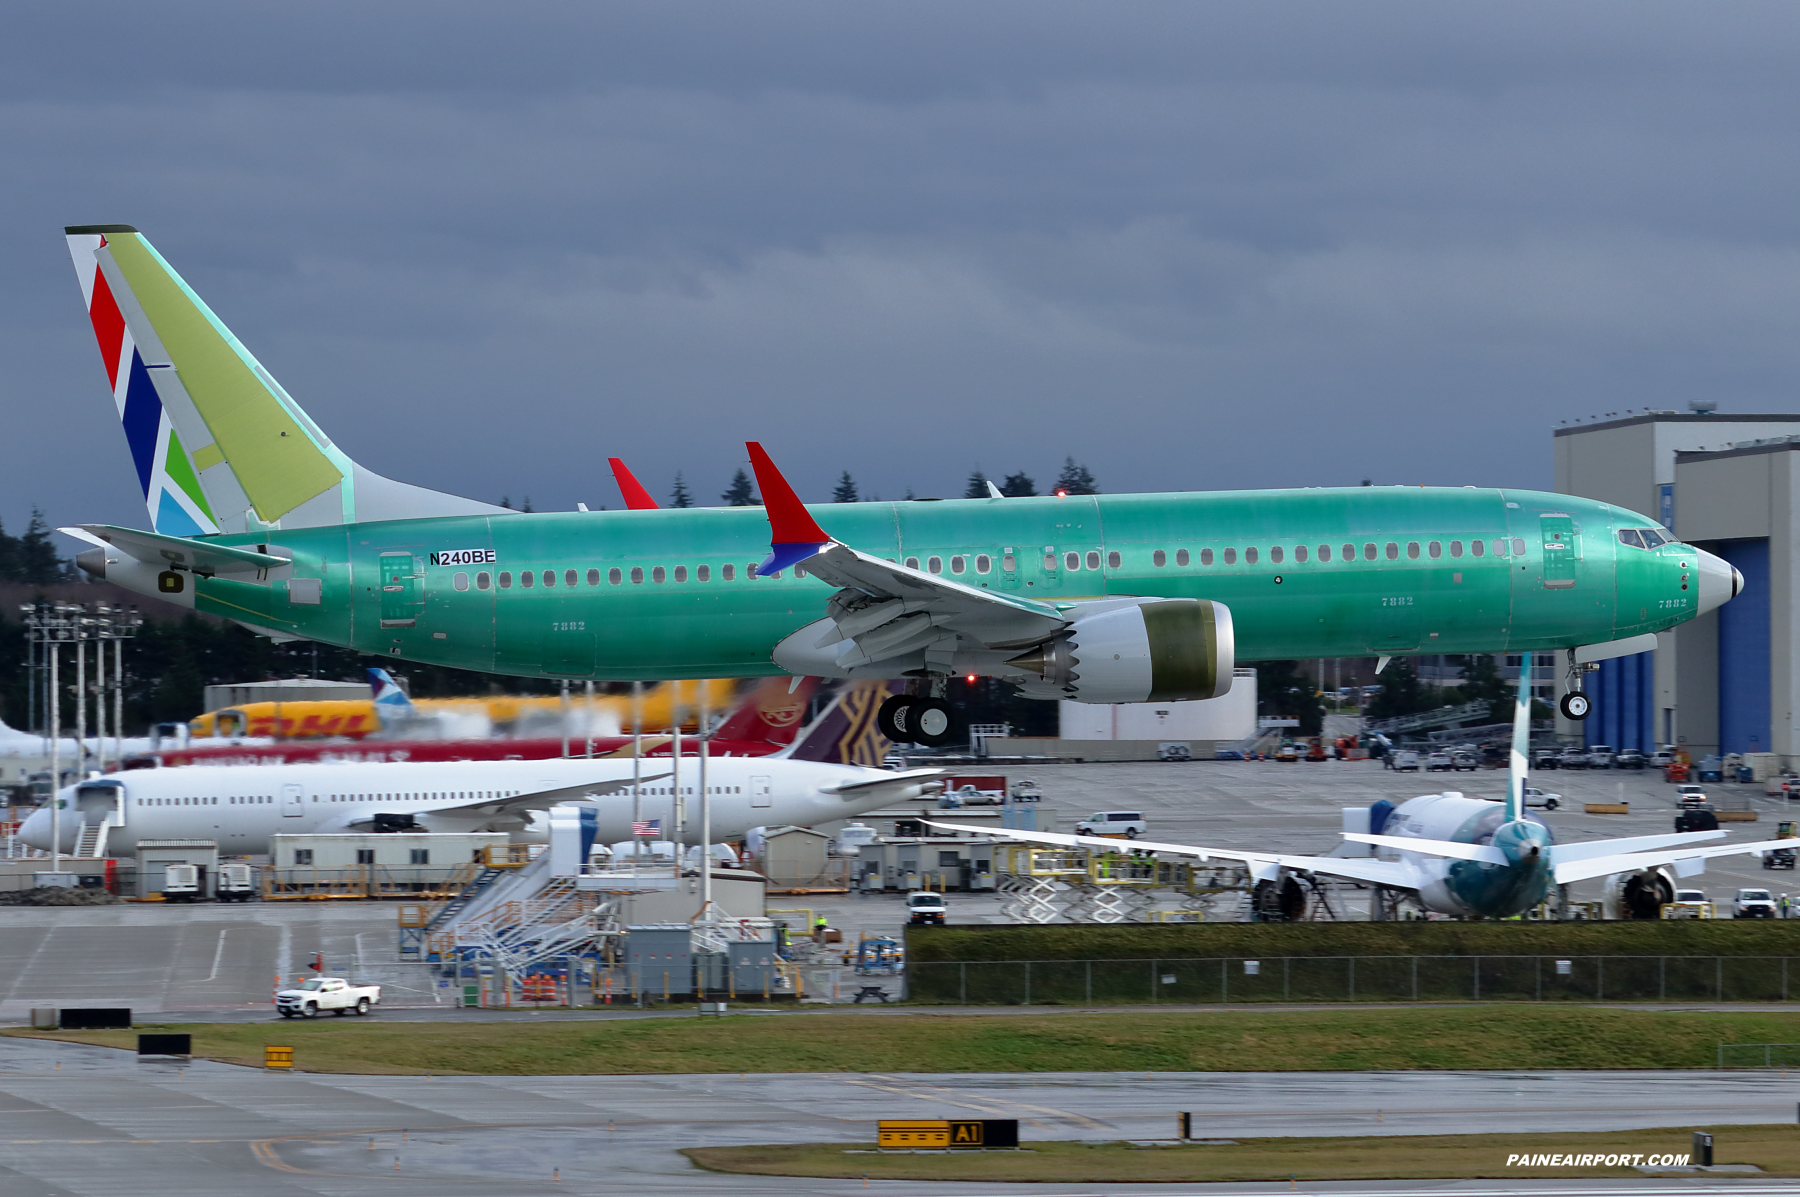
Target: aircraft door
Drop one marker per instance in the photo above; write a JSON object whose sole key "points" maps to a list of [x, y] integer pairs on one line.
{"points": [[400, 603], [1009, 568], [760, 791], [293, 798], [1562, 550], [1049, 569]]}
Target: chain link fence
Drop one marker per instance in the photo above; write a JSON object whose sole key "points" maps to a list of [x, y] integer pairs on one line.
{"points": [[1352, 979]]}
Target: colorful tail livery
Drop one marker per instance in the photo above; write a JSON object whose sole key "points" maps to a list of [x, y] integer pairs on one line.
{"points": [[219, 446], [389, 697]]}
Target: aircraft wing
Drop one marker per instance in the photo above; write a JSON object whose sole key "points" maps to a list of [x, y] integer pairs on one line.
{"points": [[539, 799], [153, 548], [1625, 862], [1263, 866], [883, 607]]}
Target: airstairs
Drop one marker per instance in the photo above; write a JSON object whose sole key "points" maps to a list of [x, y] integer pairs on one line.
{"points": [[92, 840]]}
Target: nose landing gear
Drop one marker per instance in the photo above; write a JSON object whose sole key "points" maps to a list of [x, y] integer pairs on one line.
{"points": [[1576, 705]]}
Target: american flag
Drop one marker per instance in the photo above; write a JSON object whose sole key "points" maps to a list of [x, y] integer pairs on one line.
{"points": [[646, 827]]}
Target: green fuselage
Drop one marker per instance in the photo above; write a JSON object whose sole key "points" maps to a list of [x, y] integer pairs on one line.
{"points": [[380, 591]]}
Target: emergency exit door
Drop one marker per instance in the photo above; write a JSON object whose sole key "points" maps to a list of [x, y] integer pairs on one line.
{"points": [[759, 791], [293, 798]]}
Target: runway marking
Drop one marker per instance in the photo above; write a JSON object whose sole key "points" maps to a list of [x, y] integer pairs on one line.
{"points": [[989, 1105]]}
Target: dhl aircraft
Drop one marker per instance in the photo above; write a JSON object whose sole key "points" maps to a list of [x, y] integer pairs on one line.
{"points": [[256, 515], [388, 711], [1454, 854], [765, 722]]}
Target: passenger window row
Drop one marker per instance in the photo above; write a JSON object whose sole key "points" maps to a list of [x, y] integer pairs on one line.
{"points": [[1070, 562]]}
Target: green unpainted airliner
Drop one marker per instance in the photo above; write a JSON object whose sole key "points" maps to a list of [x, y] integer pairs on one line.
{"points": [[258, 517]]}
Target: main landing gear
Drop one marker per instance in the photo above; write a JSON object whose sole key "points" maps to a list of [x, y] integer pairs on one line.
{"points": [[916, 719]]}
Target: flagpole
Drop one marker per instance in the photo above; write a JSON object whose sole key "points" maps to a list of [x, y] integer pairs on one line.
{"points": [[637, 769], [705, 811]]}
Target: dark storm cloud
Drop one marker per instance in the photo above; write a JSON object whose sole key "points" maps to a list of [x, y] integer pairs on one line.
{"points": [[1194, 245]]}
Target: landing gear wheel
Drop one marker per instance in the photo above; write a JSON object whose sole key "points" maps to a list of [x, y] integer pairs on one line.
{"points": [[932, 722], [1575, 705], [892, 719]]}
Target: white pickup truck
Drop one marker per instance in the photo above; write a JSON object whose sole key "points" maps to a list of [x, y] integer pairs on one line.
{"points": [[326, 993]]}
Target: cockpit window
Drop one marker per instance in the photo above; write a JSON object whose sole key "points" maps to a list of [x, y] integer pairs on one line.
{"points": [[1644, 538]]}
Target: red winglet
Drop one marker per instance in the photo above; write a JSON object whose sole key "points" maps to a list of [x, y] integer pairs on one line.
{"points": [[789, 520], [636, 497]]}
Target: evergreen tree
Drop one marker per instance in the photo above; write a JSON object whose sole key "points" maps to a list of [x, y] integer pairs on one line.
{"points": [[9, 557], [1018, 486], [977, 488], [1481, 680], [1075, 480], [506, 502], [1282, 692], [679, 497], [527, 508], [35, 553], [740, 493], [1402, 693], [846, 490]]}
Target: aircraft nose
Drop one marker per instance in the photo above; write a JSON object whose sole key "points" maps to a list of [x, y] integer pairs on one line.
{"points": [[35, 830], [1717, 581]]}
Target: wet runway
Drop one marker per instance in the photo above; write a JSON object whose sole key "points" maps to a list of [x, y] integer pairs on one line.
{"points": [[94, 1121]]}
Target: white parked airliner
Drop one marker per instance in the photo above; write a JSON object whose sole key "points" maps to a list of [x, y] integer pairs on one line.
{"points": [[241, 806]]}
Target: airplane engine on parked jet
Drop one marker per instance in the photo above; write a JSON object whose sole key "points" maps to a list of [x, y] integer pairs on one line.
{"points": [[1169, 650], [1282, 900], [1638, 895]]}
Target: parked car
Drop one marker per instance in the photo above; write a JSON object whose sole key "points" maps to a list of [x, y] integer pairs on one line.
{"points": [[1697, 818], [1690, 796], [1546, 758], [1630, 758], [326, 993], [1438, 762], [1464, 761], [1600, 756], [1754, 904], [1406, 761], [925, 908], [1287, 752], [1690, 895], [1537, 797], [1128, 823], [1574, 758], [1662, 757]]}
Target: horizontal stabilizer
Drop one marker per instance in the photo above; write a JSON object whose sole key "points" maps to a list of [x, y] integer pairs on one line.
{"points": [[155, 549], [1564, 853], [1486, 853]]}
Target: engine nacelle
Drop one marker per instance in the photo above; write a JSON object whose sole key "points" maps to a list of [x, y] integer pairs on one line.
{"points": [[1638, 895], [1169, 650]]}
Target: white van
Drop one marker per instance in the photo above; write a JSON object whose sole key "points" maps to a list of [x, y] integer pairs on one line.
{"points": [[1128, 823]]}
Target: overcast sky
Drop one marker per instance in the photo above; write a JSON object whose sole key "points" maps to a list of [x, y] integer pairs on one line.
{"points": [[1195, 245]]}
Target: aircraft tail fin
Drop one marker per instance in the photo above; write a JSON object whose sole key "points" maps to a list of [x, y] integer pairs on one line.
{"points": [[769, 714], [389, 697], [845, 734], [1519, 770], [218, 445]]}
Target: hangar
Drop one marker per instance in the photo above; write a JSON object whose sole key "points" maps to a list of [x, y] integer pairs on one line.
{"points": [[1729, 681]]}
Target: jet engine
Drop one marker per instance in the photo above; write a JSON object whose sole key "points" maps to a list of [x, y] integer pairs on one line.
{"points": [[1169, 650], [1281, 900], [1638, 895]]}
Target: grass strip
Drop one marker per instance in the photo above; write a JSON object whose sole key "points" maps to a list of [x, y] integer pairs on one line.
{"points": [[1776, 1149], [1455, 1037]]}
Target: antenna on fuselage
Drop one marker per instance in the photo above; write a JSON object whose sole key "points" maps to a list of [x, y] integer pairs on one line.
{"points": [[1520, 761]]}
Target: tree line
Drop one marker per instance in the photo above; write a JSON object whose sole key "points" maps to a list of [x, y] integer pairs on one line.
{"points": [[1075, 479]]}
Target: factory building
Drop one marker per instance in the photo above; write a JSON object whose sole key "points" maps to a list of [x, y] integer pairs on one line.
{"points": [[1728, 681]]}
